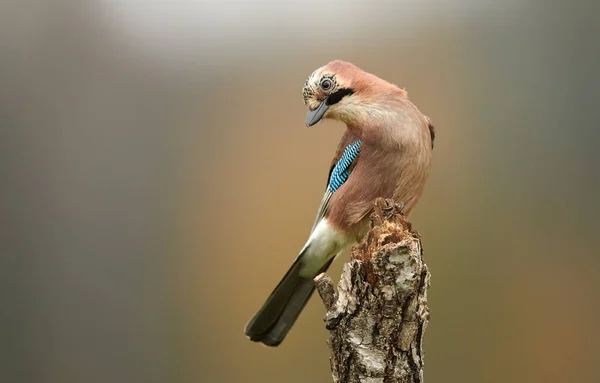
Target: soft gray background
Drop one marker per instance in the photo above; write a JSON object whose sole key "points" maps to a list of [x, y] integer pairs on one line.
{"points": [[157, 181]]}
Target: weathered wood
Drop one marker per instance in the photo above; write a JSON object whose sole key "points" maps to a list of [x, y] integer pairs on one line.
{"points": [[378, 316]]}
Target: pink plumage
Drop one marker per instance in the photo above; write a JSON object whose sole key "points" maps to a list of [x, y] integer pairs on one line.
{"points": [[394, 141]]}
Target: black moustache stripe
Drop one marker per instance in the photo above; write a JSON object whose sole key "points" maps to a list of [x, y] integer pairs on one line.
{"points": [[336, 96]]}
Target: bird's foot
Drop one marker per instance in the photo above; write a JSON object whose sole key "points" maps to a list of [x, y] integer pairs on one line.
{"points": [[400, 208], [391, 206]]}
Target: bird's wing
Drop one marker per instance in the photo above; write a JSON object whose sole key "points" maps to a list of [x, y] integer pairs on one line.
{"points": [[431, 130], [341, 166]]}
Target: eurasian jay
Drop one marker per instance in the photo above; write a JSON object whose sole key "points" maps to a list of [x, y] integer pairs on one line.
{"points": [[385, 152]]}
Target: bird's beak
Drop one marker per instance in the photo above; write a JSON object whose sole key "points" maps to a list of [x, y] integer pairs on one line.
{"points": [[315, 115]]}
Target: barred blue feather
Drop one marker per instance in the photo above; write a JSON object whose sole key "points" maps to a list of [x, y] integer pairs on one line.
{"points": [[341, 170]]}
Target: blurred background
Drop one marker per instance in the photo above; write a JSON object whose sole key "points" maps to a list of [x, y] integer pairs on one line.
{"points": [[157, 180]]}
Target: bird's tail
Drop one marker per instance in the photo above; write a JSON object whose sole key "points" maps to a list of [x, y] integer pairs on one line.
{"points": [[276, 317]]}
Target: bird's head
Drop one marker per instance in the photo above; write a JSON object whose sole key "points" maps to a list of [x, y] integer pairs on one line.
{"points": [[342, 91]]}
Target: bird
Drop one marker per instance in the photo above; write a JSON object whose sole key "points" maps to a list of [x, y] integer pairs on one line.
{"points": [[385, 151]]}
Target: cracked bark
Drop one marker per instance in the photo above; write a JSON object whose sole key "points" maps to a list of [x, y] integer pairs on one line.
{"points": [[378, 315]]}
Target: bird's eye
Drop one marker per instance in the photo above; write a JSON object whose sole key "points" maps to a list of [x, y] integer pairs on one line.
{"points": [[326, 84]]}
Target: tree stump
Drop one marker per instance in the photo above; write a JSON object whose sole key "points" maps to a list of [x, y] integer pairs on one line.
{"points": [[378, 316]]}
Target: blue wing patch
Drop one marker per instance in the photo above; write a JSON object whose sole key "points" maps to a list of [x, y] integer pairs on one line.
{"points": [[341, 170], [339, 175]]}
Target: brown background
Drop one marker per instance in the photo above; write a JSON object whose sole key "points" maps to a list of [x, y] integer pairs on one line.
{"points": [[157, 181]]}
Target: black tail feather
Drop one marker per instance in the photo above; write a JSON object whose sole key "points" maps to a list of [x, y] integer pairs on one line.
{"points": [[278, 314]]}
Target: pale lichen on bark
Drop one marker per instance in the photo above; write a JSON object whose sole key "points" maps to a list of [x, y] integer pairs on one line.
{"points": [[378, 315]]}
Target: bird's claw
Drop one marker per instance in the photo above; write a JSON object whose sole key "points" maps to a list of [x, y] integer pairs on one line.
{"points": [[390, 209], [400, 208]]}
